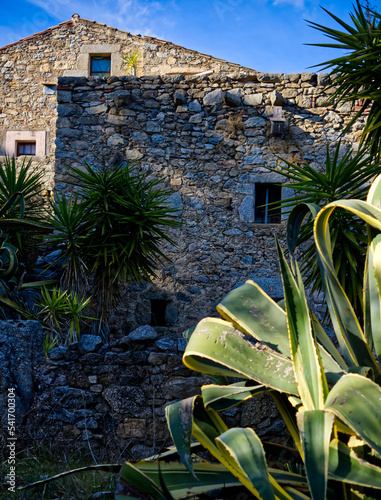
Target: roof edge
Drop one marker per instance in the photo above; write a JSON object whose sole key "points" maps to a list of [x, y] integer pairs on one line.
{"points": [[77, 19]]}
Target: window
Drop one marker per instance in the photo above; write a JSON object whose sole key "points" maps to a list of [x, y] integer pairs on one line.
{"points": [[26, 148], [25, 142], [100, 65], [267, 193], [158, 308]]}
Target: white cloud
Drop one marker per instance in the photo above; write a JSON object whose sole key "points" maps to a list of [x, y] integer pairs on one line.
{"points": [[145, 17], [298, 4]]}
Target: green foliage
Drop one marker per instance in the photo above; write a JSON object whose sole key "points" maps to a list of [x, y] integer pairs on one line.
{"points": [[22, 184], [38, 461], [68, 219], [16, 187], [330, 399], [113, 230], [356, 74], [48, 342], [61, 313], [22, 178], [344, 176], [131, 61]]}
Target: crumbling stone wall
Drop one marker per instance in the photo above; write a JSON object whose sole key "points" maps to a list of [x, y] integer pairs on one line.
{"points": [[20, 352], [112, 398], [209, 139]]}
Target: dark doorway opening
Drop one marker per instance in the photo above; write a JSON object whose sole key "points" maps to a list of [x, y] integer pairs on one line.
{"points": [[158, 308]]}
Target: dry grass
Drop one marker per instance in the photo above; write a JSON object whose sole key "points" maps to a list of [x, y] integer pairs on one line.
{"points": [[41, 463]]}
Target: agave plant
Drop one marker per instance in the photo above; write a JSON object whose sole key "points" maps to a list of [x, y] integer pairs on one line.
{"points": [[329, 398], [355, 76]]}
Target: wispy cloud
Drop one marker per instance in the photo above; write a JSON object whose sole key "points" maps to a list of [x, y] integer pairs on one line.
{"points": [[298, 4], [138, 16]]}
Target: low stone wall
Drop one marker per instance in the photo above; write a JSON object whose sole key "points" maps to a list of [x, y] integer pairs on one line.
{"points": [[20, 353], [111, 398]]}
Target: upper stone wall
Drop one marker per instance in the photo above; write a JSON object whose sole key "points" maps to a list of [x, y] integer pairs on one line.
{"points": [[29, 70], [210, 140], [58, 51]]}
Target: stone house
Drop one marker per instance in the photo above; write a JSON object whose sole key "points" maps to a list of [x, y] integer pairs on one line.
{"points": [[207, 128]]}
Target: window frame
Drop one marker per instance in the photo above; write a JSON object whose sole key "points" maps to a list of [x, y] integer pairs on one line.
{"points": [[276, 195], [13, 137], [104, 57], [23, 144]]}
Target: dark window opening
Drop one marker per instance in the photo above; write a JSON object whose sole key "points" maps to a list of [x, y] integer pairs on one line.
{"points": [[158, 308], [100, 66], [264, 194], [26, 148]]}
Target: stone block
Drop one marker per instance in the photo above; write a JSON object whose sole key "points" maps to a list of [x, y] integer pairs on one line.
{"points": [[232, 99], [277, 99], [247, 210], [128, 400], [68, 110], [143, 334], [214, 98], [89, 343], [195, 106], [116, 140], [180, 97], [253, 99], [255, 121]]}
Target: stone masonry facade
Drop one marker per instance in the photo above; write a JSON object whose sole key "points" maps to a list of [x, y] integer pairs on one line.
{"points": [[207, 129], [209, 139]]}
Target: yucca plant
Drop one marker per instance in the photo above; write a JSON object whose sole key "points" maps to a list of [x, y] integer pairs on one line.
{"points": [[113, 230], [132, 61], [61, 314], [12, 271], [21, 178], [329, 398], [356, 76], [67, 217], [345, 175], [22, 183]]}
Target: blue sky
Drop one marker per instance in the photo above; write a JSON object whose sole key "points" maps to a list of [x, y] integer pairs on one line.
{"points": [[266, 35]]}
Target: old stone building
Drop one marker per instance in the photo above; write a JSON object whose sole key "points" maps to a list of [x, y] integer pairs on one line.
{"points": [[207, 128]]}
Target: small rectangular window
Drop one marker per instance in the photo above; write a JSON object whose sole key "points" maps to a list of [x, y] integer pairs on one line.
{"points": [[100, 65], [26, 148], [264, 194]]}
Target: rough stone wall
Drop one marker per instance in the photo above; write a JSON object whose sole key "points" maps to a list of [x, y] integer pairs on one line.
{"points": [[29, 70], [50, 53], [210, 140], [20, 352], [113, 397]]}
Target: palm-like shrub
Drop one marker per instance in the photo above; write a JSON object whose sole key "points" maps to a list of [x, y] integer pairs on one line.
{"points": [[356, 75], [344, 176], [68, 218], [132, 61], [114, 230], [21, 183]]}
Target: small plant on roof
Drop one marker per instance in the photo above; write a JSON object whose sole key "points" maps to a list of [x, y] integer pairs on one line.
{"points": [[132, 60]]}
